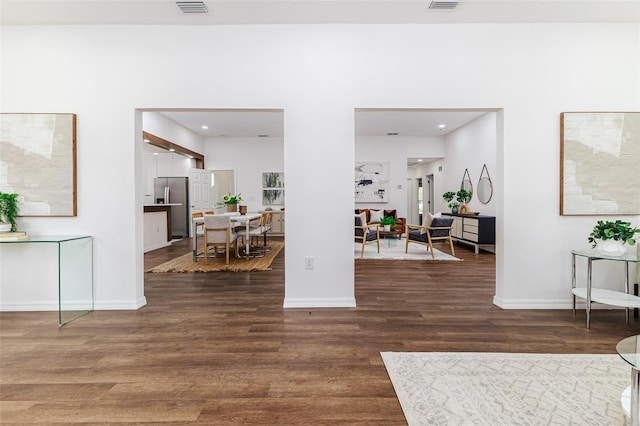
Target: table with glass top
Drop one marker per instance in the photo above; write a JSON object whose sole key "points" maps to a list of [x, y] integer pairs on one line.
{"points": [[623, 299], [75, 272], [629, 350]]}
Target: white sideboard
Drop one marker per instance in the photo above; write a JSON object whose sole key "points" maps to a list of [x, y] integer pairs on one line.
{"points": [[476, 230]]}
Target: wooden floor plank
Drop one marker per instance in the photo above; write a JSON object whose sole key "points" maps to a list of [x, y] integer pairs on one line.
{"points": [[220, 349]]}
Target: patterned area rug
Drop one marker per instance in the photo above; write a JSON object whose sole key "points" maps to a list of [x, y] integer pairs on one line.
{"points": [[185, 263], [394, 250], [440, 388]]}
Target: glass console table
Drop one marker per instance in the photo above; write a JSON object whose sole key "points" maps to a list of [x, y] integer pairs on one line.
{"points": [[609, 297], [629, 350], [75, 273]]}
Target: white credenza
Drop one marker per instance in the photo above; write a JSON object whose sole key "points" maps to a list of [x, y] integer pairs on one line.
{"points": [[277, 224], [476, 230]]}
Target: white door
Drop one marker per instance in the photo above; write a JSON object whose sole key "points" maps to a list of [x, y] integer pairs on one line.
{"points": [[199, 191]]}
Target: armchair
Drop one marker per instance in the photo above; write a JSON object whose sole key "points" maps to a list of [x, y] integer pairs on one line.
{"points": [[365, 234], [219, 233], [438, 230]]}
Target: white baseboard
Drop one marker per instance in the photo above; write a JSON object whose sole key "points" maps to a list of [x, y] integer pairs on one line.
{"points": [[28, 306], [53, 306], [115, 305], [346, 302]]}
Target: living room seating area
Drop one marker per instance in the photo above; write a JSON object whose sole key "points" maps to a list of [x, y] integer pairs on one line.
{"points": [[373, 217]]}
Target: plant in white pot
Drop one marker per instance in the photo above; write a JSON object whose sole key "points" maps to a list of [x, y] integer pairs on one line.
{"points": [[387, 222], [610, 236], [8, 212]]}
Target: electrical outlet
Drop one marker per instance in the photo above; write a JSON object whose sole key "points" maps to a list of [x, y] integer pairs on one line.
{"points": [[308, 262]]}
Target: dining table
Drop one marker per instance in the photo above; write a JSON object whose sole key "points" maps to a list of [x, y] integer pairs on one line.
{"points": [[239, 220]]}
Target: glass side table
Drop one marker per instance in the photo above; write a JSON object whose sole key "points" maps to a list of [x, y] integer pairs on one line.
{"points": [[75, 272], [629, 350], [623, 299]]}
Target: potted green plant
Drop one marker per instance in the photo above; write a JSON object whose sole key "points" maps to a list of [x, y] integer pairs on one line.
{"points": [[8, 212], [232, 201], [387, 222], [449, 198], [463, 196], [612, 236]]}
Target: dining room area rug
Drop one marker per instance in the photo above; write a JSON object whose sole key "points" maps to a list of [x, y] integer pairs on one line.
{"points": [[473, 388], [185, 262]]}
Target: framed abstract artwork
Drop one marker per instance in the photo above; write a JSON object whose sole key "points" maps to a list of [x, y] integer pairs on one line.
{"points": [[38, 162], [600, 163], [273, 188], [273, 179], [371, 181], [273, 197]]}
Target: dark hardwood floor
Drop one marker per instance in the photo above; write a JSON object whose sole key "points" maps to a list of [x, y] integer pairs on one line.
{"points": [[219, 348]]}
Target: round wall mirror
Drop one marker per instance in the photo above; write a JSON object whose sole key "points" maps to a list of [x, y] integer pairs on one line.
{"points": [[485, 187]]}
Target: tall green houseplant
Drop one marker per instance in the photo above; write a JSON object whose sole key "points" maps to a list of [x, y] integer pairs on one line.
{"points": [[9, 209]]}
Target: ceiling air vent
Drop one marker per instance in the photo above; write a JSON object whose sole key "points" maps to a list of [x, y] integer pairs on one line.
{"points": [[192, 6], [444, 5]]}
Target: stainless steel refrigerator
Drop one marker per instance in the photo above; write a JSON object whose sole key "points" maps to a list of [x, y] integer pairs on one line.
{"points": [[169, 190]]}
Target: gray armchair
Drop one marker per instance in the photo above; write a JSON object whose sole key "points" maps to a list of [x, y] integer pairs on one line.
{"points": [[366, 234], [438, 230]]}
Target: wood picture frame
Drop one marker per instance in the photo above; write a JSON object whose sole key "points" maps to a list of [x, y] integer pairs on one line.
{"points": [[599, 163], [38, 162]]}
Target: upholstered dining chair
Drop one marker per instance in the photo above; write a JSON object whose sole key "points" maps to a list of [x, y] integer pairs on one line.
{"points": [[258, 230], [195, 215], [438, 230], [365, 234], [219, 233]]}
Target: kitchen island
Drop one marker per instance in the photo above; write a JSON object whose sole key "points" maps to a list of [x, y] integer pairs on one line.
{"points": [[157, 225]]}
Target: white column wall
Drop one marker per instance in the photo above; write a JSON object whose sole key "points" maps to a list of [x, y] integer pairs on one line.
{"points": [[319, 74]]}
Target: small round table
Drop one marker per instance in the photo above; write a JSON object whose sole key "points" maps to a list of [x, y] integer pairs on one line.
{"points": [[629, 350]]}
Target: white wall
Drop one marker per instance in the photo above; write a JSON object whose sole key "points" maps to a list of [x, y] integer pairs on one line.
{"points": [[318, 74], [249, 157], [396, 150], [470, 147]]}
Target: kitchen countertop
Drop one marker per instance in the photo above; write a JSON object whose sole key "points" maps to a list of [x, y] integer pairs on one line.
{"points": [[163, 205]]}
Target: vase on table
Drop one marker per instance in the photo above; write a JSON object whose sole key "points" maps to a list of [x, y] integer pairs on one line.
{"points": [[387, 228], [232, 208], [611, 247]]}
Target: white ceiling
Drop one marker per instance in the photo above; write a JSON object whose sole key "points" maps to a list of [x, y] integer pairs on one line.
{"points": [[236, 123], [153, 12], [250, 123]]}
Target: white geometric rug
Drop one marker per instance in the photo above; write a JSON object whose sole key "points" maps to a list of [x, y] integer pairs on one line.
{"points": [[461, 388], [394, 250]]}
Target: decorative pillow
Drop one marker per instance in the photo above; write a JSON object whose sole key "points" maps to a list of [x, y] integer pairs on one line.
{"points": [[363, 219], [376, 215], [428, 220], [391, 213]]}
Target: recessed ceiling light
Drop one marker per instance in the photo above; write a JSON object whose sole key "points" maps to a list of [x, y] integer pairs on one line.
{"points": [[146, 140], [155, 153], [205, 127], [392, 134], [442, 126], [171, 149], [419, 160]]}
